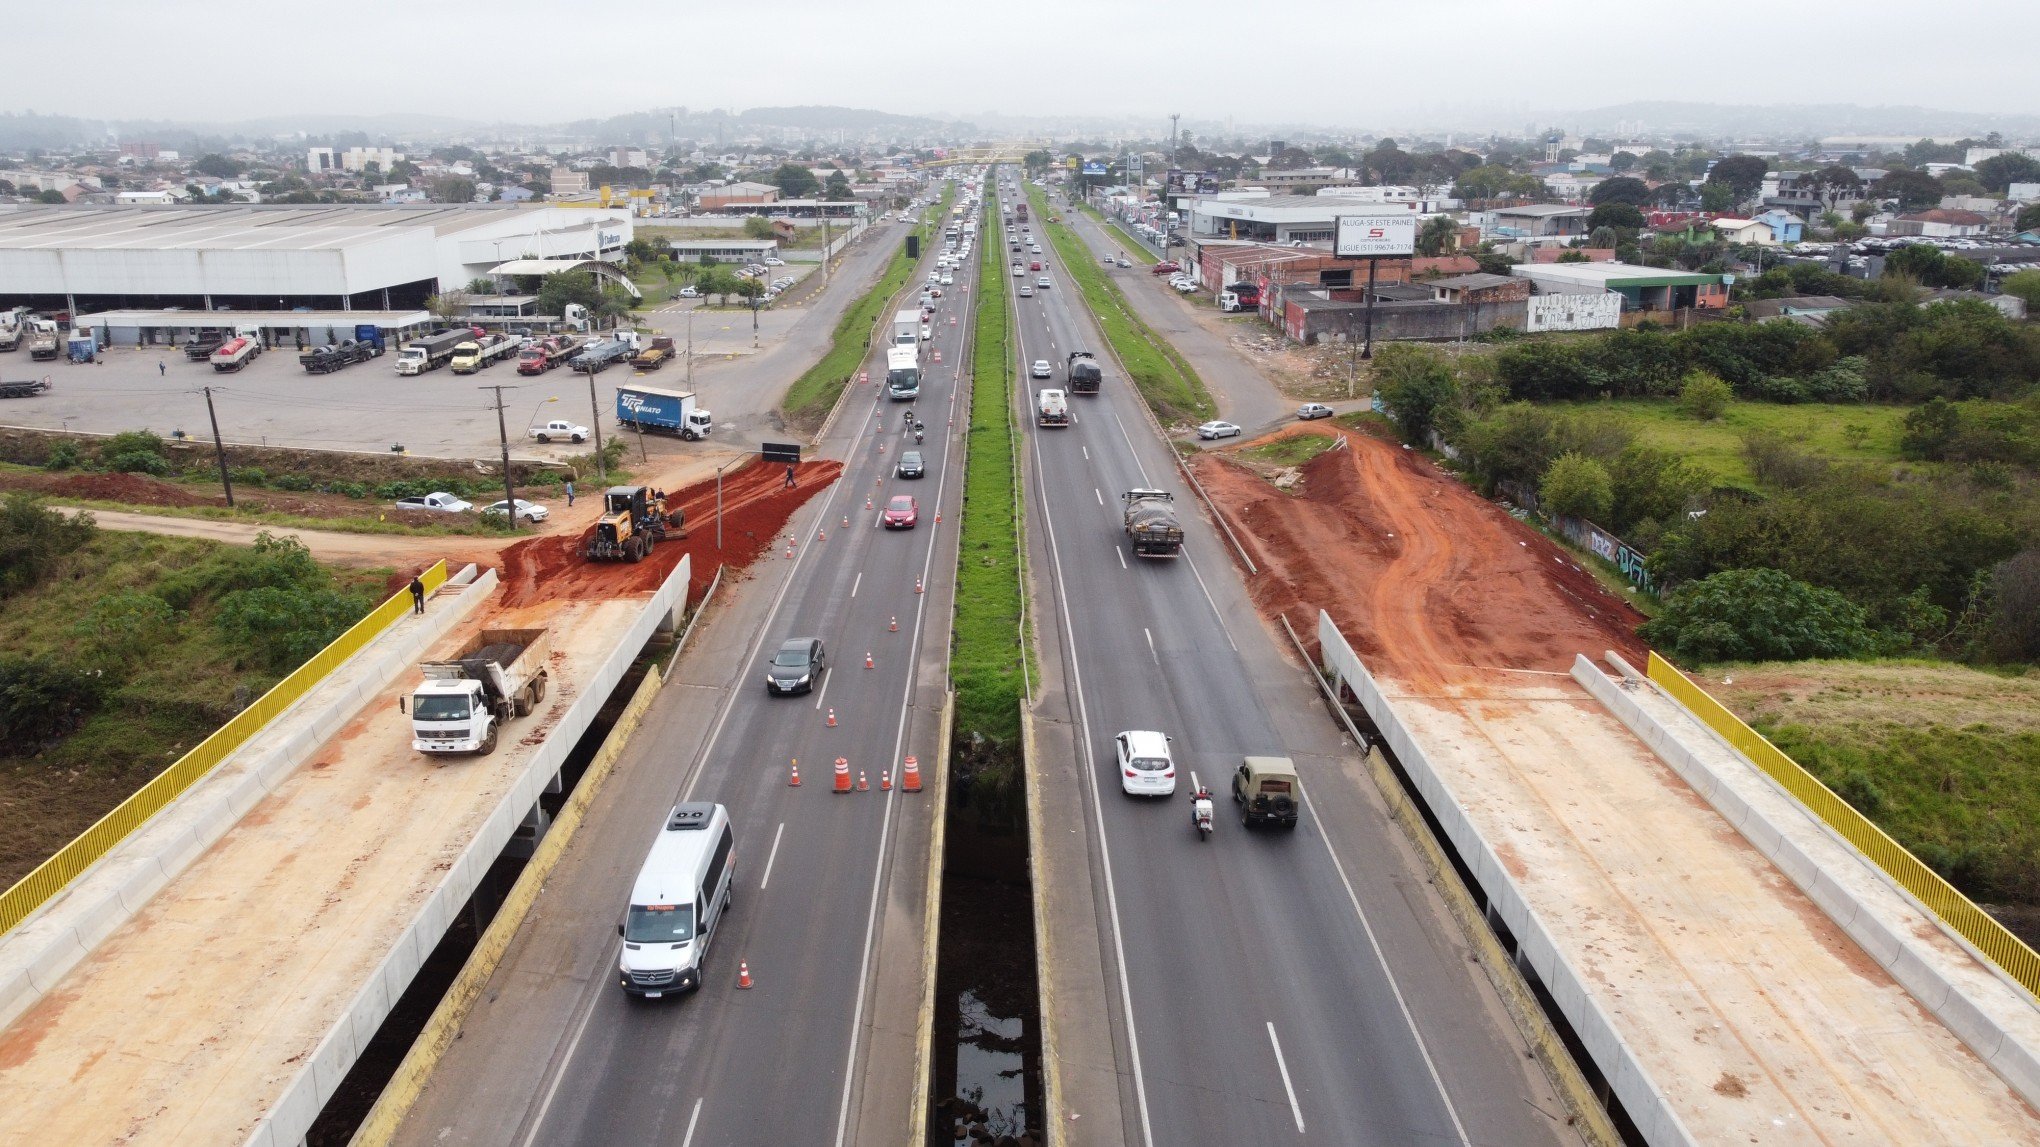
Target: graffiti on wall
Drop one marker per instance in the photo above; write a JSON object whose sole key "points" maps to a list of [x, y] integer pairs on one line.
{"points": [[1587, 536]]}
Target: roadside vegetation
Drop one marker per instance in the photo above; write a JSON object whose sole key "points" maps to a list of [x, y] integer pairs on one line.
{"points": [[1164, 378], [986, 663], [812, 395], [123, 650], [1136, 253], [1292, 450]]}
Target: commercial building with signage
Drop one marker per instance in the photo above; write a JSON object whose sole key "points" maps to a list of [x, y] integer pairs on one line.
{"points": [[284, 258], [1286, 218]]}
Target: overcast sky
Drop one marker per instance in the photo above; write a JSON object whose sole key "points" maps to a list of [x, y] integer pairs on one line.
{"points": [[1355, 63]]}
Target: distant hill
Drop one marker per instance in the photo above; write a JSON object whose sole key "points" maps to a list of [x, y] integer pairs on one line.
{"points": [[1796, 120]]}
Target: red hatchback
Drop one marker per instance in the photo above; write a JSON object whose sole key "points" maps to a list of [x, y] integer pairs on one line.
{"points": [[902, 513]]}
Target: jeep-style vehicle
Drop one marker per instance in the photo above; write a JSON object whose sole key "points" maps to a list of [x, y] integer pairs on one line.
{"points": [[1267, 791]]}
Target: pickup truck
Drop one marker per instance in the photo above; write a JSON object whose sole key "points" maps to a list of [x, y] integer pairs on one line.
{"points": [[559, 428], [655, 354], [442, 502]]}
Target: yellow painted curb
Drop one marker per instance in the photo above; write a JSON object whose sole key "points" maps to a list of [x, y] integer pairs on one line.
{"points": [[937, 793], [1587, 1116], [404, 1087]]}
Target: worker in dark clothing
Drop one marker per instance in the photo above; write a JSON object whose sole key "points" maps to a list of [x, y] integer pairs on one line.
{"points": [[417, 595], [789, 476]]}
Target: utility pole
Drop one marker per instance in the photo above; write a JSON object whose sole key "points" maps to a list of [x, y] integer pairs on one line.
{"points": [[503, 433], [219, 448], [1367, 352], [595, 424]]}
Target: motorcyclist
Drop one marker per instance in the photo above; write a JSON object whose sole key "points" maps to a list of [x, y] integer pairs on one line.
{"points": [[1200, 802]]}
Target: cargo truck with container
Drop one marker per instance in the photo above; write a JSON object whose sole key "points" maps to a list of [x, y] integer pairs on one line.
{"points": [[906, 328], [547, 353], [430, 352], [480, 353], [1151, 523], [649, 408], [654, 354], [235, 353], [463, 701], [1084, 375]]}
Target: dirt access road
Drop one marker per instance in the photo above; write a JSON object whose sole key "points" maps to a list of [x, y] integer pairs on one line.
{"points": [[1432, 583]]}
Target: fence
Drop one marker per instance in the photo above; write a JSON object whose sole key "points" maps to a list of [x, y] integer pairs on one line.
{"points": [[1977, 926], [52, 875], [1587, 536]]}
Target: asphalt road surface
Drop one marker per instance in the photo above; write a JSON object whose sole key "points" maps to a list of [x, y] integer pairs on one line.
{"points": [[830, 889], [1268, 988]]}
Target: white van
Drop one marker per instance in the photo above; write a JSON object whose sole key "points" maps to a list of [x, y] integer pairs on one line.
{"points": [[678, 902]]}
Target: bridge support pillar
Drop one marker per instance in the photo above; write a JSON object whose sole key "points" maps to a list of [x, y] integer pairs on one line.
{"points": [[532, 829]]}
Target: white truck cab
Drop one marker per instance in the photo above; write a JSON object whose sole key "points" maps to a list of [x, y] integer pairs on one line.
{"points": [[677, 901]]}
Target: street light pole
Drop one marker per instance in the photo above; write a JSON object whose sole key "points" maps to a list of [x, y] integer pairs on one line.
{"points": [[718, 497], [595, 424]]}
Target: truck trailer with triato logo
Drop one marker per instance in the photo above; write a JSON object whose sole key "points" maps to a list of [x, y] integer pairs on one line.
{"points": [[662, 411]]}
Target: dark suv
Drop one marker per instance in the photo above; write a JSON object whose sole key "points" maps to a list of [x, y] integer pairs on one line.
{"points": [[795, 667], [911, 465]]}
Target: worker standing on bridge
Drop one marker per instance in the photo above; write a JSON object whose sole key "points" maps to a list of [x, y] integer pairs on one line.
{"points": [[417, 595]]}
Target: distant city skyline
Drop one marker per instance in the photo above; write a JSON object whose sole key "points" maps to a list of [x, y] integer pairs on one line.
{"points": [[1476, 64]]}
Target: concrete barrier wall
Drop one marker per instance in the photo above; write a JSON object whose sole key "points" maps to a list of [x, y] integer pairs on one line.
{"points": [[35, 956], [1640, 1097], [286, 1124], [1994, 1017]]}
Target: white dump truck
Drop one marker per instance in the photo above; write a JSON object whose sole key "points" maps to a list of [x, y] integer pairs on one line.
{"points": [[463, 701]]}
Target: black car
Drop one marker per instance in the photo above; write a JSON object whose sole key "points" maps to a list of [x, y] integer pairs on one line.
{"points": [[797, 665], [911, 465]]}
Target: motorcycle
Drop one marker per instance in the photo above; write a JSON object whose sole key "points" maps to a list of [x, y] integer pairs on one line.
{"points": [[1200, 813], [918, 436]]}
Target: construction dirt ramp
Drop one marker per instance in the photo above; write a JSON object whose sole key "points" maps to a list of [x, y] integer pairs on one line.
{"points": [[1431, 582]]}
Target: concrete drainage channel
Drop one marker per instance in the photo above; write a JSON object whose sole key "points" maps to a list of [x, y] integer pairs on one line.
{"points": [[366, 1080]]}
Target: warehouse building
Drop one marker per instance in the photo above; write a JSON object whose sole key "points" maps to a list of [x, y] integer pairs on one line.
{"points": [[165, 268]]}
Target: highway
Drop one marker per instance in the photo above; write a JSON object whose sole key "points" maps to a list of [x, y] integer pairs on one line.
{"points": [[831, 891], [1263, 986]]}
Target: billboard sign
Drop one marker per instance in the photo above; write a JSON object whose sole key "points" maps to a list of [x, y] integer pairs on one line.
{"points": [[1363, 235], [1094, 168]]}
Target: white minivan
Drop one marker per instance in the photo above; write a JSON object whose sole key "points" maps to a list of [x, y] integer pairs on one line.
{"points": [[678, 901]]}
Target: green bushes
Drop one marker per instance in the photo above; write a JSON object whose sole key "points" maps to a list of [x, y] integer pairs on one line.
{"points": [[1577, 486], [33, 539], [134, 452], [1704, 396], [42, 699], [1756, 615]]}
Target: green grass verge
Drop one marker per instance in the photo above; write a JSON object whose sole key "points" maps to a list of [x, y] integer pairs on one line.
{"points": [[1852, 431], [1165, 379], [1136, 253], [815, 392], [1294, 450], [1943, 757], [461, 526], [986, 661]]}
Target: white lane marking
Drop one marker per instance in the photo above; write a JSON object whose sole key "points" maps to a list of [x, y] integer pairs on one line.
{"points": [[1222, 627], [1120, 554], [772, 856], [1131, 452], [1283, 1067], [1097, 495], [1380, 958], [1147, 1132], [1087, 453], [886, 822], [690, 1123], [824, 690], [1151, 645], [855, 584]]}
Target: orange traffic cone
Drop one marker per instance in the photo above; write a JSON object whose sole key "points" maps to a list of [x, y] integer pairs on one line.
{"points": [[832, 718], [743, 973], [846, 521], [885, 781], [917, 585], [867, 660], [938, 517], [910, 778], [789, 551], [867, 501], [793, 782], [863, 786], [895, 626], [881, 448], [842, 775], [821, 535]]}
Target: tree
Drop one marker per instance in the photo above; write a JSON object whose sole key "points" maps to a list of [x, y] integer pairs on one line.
{"points": [[216, 165], [836, 187], [1832, 184], [1438, 234], [1289, 159], [1576, 486], [1999, 172], [453, 189], [1930, 429], [1621, 189], [1703, 396], [1717, 197], [405, 171], [1602, 238], [1417, 387], [34, 538], [1652, 486], [1914, 190], [448, 306], [51, 195], [1741, 174], [795, 181], [559, 288], [1494, 181], [1616, 213], [2029, 218], [757, 227], [1622, 161], [1930, 267], [2025, 285], [1757, 615]]}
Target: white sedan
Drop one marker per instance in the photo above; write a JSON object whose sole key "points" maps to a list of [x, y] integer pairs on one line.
{"points": [[1041, 369], [1218, 430], [528, 511]]}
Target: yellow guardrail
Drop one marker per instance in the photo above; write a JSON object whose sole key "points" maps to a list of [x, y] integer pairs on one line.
{"points": [[52, 875], [1956, 910]]}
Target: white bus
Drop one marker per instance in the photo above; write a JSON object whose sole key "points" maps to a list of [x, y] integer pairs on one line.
{"points": [[903, 373]]}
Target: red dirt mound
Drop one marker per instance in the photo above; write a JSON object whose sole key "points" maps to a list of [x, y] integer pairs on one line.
{"points": [[133, 489], [1431, 582], [756, 507]]}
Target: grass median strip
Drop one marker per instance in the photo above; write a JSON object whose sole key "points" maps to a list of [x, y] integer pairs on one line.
{"points": [[814, 393], [986, 663], [1136, 252], [1165, 379]]}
